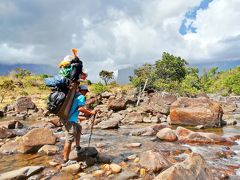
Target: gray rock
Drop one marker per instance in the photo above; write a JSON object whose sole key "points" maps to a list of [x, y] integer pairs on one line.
{"points": [[126, 175], [132, 118], [22, 173]]}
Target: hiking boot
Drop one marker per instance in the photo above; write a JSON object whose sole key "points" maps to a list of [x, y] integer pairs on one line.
{"points": [[69, 162]]}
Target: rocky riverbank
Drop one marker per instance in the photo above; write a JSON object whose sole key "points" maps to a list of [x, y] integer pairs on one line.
{"points": [[165, 137]]}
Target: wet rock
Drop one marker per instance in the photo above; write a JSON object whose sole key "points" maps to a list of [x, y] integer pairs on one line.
{"points": [[104, 159], [98, 173], [126, 175], [74, 168], [24, 104], [21, 117], [1, 113], [167, 134], [196, 111], [36, 138], [115, 168], [153, 161], [188, 136], [133, 145], [6, 133], [194, 167], [171, 149], [22, 173], [11, 124], [88, 154], [200, 127], [9, 147], [108, 124], [118, 104], [148, 131], [49, 149], [182, 132], [132, 118]]}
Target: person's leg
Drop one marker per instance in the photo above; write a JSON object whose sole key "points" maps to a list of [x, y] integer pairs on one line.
{"points": [[78, 135], [68, 142], [66, 150]]}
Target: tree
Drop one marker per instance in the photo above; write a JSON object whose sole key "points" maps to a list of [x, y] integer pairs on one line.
{"points": [[6, 88], [171, 68], [106, 76]]}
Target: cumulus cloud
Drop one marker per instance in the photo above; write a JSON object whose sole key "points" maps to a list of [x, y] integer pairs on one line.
{"points": [[116, 34]]}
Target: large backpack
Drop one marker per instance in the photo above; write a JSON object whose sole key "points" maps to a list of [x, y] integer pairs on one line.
{"points": [[55, 101]]}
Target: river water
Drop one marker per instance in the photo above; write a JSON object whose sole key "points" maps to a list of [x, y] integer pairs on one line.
{"points": [[114, 143]]}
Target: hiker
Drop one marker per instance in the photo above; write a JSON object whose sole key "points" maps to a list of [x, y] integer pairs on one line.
{"points": [[73, 130]]}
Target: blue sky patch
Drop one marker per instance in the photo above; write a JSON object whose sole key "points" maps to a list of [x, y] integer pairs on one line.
{"points": [[190, 17]]}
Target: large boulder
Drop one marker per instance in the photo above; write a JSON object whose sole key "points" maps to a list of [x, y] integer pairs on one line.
{"points": [[35, 139], [88, 154], [22, 173], [196, 111], [194, 167], [167, 134], [154, 161], [6, 133], [188, 136], [160, 103], [118, 104], [24, 104], [132, 118]]}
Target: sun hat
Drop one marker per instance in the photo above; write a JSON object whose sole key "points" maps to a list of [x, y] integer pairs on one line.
{"points": [[83, 88]]}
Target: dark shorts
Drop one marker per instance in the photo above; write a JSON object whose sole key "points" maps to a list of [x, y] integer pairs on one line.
{"points": [[72, 130]]}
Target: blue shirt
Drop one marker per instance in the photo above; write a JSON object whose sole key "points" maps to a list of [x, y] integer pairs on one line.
{"points": [[79, 100]]}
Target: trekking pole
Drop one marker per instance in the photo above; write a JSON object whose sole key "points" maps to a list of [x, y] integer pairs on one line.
{"points": [[90, 137]]}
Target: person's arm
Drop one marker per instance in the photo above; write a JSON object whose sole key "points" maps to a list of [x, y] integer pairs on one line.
{"points": [[86, 111]]}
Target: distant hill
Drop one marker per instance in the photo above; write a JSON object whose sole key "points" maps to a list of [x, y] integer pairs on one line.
{"points": [[34, 68], [123, 74]]}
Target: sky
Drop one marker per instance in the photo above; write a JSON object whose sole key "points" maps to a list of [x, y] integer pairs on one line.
{"points": [[114, 34]]}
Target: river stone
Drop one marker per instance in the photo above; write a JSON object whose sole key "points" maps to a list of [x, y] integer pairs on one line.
{"points": [[49, 149], [13, 124], [115, 168], [194, 167], [23, 104], [10, 147], [132, 118], [6, 133], [73, 168], [153, 161], [126, 175], [108, 124], [88, 154], [118, 104], [22, 173], [167, 134], [196, 111], [149, 130], [34, 139]]}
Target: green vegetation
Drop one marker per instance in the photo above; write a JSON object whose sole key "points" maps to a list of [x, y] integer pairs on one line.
{"points": [[172, 74], [21, 82], [106, 76]]}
